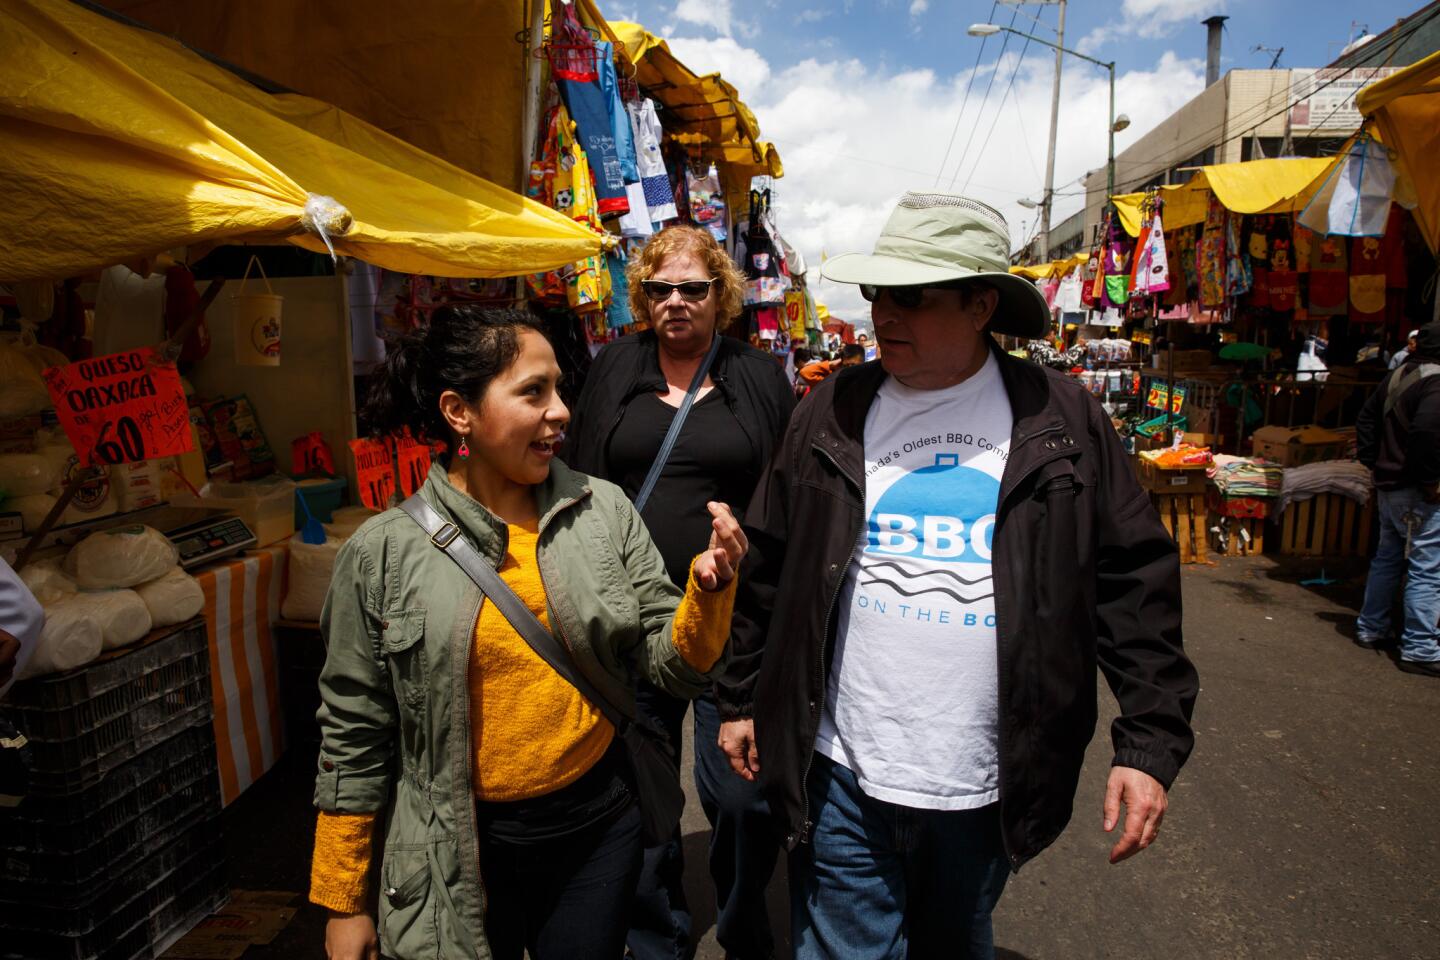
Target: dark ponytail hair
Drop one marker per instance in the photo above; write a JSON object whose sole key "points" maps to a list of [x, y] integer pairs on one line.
{"points": [[462, 348]]}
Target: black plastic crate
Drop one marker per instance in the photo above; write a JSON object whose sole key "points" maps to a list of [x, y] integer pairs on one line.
{"points": [[103, 912], [66, 705], [46, 859]]}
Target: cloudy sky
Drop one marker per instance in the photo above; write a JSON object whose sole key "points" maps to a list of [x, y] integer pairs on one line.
{"points": [[864, 97]]}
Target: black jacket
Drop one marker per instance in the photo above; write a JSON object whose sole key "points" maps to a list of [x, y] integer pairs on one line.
{"points": [[1085, 575], [1403, 448], [753, 384]]}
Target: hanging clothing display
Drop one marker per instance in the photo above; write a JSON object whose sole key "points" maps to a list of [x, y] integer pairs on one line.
{"points": [[1329, 279], [1152, 266], [1367, 280], [707, 203], [650, 162], [590, 106], [1210, 256], [1067, 294], [561, 179], [1237, 264]]}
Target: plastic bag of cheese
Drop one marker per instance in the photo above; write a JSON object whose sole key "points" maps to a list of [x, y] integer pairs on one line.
{"points": [[173, 598], [120, 557]]}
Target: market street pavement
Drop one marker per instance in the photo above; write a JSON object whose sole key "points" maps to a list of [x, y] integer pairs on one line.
{"points": [[1303, 826]]}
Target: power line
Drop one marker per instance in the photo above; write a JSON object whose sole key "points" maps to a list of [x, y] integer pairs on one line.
{"points": [[996, 119], [969, 83], [985, 99]]}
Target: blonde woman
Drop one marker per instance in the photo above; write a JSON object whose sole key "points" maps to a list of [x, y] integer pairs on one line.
{"points": [[689, 290]]}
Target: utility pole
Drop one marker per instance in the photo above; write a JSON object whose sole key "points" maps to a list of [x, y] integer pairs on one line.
{"points": [[1049, 197]]}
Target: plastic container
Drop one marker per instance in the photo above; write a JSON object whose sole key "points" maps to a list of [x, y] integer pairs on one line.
{"points": [[324, 497], [85, 723], [266, 505]]}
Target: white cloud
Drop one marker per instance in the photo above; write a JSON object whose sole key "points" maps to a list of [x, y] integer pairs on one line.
{"points": [[811, 16], [918, 7], [705, 13], [854, 137], [1153, 19]]}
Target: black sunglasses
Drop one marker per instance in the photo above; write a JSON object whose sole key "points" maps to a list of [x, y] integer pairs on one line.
{"points": [[692, 290], [906, 298]]}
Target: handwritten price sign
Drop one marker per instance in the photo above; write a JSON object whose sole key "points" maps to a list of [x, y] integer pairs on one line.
{"points": [[122, 408], [374, 473]]}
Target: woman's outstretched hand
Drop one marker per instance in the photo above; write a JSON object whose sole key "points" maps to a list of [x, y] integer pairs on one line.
{"points": [[716, 567]]}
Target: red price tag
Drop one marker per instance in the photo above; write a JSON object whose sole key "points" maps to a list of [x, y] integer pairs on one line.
{"points": [[374, 473], [122, 408], [415, 459]]}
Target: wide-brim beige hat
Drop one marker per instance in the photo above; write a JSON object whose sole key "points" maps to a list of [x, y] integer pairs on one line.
{"points": [[939, 237]]}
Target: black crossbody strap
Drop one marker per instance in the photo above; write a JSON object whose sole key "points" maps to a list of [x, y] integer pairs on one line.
{"points": [[446, 536], [673, 433]]}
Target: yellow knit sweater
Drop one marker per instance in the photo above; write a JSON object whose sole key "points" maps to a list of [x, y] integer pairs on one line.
{"points": [[532, 732]]}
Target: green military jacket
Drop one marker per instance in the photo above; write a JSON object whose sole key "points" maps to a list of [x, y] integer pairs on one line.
{"points": [[399, 625]]}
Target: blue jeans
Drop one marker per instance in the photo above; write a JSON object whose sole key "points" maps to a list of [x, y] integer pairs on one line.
{"points": [[743, 849], [880, 881], [1405, 513]]}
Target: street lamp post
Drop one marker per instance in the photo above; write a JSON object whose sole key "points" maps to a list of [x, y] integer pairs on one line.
{"points": [[1116, 123]]}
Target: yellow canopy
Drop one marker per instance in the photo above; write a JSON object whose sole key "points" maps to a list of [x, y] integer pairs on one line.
{"points": [[1283, 185], [119, 142], [1055, 268], [1405, 108]]}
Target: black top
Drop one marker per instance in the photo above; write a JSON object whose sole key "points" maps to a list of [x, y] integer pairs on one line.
{"points": [[712, 460], [1403, 448]]}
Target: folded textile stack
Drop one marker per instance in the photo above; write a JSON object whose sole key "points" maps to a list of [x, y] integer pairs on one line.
{"points": [[1247, 476], [1347, 477], [1175, 458]]}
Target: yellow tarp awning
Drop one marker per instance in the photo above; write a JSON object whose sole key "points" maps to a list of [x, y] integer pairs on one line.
{"points": [[1055, 268], [119, 142], [1405, 109], [1283, 185]]}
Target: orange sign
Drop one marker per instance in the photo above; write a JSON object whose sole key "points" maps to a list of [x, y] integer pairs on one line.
{"points": [[415, 459], [121, 408], [374, 473]]}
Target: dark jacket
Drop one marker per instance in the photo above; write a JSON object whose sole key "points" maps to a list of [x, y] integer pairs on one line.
{"points": [[753, 385], [1085, 575], [1403, 447]]}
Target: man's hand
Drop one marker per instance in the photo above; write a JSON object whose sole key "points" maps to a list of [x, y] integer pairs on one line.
{"points": [[351, 936], [9, 654], [1145, 801], [737, 739]]}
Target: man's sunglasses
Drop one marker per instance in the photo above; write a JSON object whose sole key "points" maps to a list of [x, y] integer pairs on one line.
{"points": [[906, 298], [692, 291]]}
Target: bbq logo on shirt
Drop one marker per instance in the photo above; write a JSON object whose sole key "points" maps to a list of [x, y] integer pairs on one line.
{"points": [[929, 539]]}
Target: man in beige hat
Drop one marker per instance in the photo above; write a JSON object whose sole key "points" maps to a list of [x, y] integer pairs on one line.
{"points": [[945, 548]]}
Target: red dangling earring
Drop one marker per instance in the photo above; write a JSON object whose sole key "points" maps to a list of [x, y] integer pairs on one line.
{"points": [[463, 451]]}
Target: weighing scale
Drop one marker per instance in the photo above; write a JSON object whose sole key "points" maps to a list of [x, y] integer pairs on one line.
{"points": [[199, 533]]}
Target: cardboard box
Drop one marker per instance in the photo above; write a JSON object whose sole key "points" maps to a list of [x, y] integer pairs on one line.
{"points": [[1295, 446], [1158, 479]]}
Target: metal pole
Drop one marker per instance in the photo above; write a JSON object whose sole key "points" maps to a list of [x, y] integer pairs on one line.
{"points": [[1050, 154], [1110, 167], [534, 92]]}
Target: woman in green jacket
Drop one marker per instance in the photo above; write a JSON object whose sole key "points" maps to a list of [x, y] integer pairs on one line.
{"points": [[504, 798]]}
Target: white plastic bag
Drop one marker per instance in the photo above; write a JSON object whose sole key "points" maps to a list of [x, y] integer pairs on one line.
{"points": [[173, 598], [311, 566], [122, 557], [71, 638], [122, 615], [23, 474], [47, 581]]}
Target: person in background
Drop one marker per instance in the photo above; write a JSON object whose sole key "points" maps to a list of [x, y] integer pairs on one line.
{"points": [[21, 620], [1404, 351], [504, 796], [688, 288], [1397, 436], [946, 548], [867, 346]]}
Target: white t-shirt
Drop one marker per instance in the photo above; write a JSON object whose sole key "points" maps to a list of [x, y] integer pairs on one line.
{"points": [[911, 705]]}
